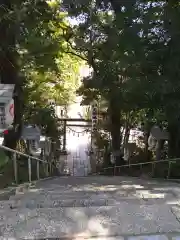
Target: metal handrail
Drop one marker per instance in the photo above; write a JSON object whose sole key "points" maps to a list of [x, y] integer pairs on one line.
{"points": [[22, 154], [144, 163], [38, 160], [170, 161]]}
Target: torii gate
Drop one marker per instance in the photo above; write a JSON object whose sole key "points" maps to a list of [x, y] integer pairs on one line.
{"points": [[67, 124], [72, 122]]}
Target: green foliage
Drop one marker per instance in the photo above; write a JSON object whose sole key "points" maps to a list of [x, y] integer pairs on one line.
{"points": [[44, 116], [133, 48], [3, 159], [34, 57]]}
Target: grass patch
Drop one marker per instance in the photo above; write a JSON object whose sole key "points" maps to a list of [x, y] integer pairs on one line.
{"points": [[3, 159]]}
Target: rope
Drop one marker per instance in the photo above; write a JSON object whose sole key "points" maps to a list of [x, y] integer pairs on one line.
{"points": [[72, 130]]}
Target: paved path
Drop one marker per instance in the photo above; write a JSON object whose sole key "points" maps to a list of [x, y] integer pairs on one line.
{"points": [[102, 207], [77, 159]]}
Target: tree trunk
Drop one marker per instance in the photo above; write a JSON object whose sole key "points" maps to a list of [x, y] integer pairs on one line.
{"points": [[115, 116], [146, 150], [147, 129], [174, 140], [9, 72], [159, 149], [126, 134]]}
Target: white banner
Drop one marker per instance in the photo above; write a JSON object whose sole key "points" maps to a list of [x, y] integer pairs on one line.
{"points": [[9, 113]]}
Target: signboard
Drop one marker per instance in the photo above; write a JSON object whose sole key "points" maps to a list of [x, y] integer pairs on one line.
{"points": [[6, 92], [9, 112], [94, 116], [6, 106], [31, 132]]}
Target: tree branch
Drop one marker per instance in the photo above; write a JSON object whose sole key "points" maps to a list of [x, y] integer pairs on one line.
{"points": [[77, 55], [118, 4]]}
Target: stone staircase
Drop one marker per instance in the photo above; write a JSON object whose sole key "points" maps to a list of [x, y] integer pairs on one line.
{"points": [[87, 207]]}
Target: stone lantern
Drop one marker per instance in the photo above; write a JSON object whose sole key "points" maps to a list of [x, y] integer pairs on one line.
{"points": [[155, 140]]}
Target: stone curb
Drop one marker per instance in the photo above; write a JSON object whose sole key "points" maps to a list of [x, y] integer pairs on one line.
{"points": [[6, 193]]}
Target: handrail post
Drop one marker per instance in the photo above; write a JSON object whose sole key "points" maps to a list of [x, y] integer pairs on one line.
{"points": [[15, 168], [114, 170], [141, 168], [38, 170], [47, 169], [169, 170], [29, 169], [153, 168], [50, 168]]}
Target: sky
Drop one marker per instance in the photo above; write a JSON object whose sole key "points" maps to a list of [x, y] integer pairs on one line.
{"points": [[85, 71]]}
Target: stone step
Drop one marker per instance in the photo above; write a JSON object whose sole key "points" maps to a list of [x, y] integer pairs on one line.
{"points": [[146, 197], [52, 196], [32, 204], [67, 195], [77, 223], [90, 198], [59, 203], [40, 201]]}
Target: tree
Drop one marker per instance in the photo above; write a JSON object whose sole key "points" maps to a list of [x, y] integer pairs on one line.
{"points": [[98, 36], [130, 46], [20, 20], [42, 88], [33, 56]]}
